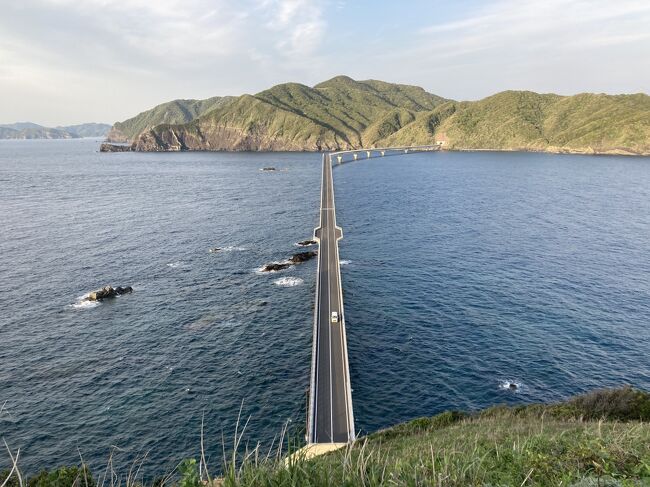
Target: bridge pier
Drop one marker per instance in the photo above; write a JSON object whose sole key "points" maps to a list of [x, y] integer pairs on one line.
{"points": [[339, 158], [368, 154], [356, 156], [383, 153]]}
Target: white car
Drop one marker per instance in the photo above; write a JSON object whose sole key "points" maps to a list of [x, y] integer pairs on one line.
{"points": [[335, 317]]}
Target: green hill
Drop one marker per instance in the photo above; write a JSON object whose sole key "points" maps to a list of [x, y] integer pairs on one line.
{"points": [[173, 112], [332, 115], [342, 113], [522, 120]]}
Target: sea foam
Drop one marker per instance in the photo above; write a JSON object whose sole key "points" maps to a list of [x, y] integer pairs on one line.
{"points": [[288, 281]]}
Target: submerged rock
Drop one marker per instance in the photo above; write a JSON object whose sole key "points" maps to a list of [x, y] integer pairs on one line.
{"points": [[108, 292], [307, 243], [302, 257]]}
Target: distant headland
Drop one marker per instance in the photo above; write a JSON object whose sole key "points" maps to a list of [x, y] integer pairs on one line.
{"points": [[343, 114], [28, 130]]}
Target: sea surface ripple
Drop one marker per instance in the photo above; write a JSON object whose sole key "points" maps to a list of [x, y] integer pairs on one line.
{"points": [[463, 272]]}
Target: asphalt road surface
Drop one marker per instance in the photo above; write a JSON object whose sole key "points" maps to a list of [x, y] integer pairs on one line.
{"points": [[331, 418]]}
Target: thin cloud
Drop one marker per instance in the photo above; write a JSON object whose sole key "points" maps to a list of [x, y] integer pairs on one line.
{"points": [[69, 61], [528, 25]]}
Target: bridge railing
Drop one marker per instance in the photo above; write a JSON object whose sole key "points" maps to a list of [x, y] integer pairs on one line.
{"points": [[358, 154]]}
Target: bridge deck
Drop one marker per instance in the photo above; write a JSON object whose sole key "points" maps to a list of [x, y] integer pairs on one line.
{"points": [[330, 404], [330, 418]]}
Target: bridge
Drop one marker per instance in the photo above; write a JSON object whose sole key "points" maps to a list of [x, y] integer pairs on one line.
{"points": [[330, 419]]}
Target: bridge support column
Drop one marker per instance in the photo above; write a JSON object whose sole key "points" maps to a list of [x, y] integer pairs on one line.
{"points": [[339, 158], [356, 156], [383, 153], [368, 154], [406, 151]]}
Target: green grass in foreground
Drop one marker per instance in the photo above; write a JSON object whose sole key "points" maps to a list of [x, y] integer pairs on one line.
{"points": [[599, 439]]}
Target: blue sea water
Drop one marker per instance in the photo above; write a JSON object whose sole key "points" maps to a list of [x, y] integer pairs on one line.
{"points": [[462, 272]]}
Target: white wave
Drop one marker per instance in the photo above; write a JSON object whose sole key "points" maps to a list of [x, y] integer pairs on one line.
{"points": [[82, 303], [288, 281], [345, 262], [298, 244], [234, 248], [176, 265], [511, 385]]}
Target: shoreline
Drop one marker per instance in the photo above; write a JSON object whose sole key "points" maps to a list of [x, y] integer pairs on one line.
{"points": [[110, 147]]}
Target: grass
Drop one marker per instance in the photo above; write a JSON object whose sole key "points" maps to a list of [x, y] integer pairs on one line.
{"points": [[598, 439]]}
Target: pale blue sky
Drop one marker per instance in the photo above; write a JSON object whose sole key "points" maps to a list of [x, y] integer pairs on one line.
{"points": [[71, 61]]}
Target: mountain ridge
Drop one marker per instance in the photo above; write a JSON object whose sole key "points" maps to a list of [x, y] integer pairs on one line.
{"points": [[342, 113]]}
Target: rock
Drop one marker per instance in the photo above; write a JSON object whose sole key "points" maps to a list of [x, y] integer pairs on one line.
{"points": [[108, 292], [214, 250], [123, 290], [512, 386], [268, 169], [114, 148], [295, 259], [276, 266], [302, 257], [307, 243], [115, 135]]}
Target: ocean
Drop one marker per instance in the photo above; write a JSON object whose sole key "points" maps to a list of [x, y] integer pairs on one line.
{"points": [[463, 272]]}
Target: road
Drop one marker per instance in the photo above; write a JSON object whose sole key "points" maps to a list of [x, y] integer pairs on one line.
{"points": [[330, 417]]}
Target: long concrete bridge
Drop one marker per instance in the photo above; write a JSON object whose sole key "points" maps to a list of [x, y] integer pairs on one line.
{"points": [[330, 419]]}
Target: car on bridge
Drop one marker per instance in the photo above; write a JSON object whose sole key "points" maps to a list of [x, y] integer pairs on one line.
{"points": [[335, 317]]}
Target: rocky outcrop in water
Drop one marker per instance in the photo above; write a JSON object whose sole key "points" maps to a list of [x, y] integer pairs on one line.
{"points": [[302, 257], [105, 147], [298, 258], [276, 266], [307, 243], [108, 292]]}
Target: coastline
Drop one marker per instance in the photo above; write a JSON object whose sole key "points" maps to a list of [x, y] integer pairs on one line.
{"points": [[588, 151]]}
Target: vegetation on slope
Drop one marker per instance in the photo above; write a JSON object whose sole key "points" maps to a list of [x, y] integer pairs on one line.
{"points": [[522, 120], [346, 114], [173, 112], [332, 115], [598, 439]]}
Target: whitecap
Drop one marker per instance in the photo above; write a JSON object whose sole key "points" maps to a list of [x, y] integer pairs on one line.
{"points": [[82, 303], [288, 281], [344, 262], [234, 248], [511, 385], [175, 265]]}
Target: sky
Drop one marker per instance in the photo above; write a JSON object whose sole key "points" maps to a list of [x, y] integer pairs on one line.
{"points": [[74, 61]]}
